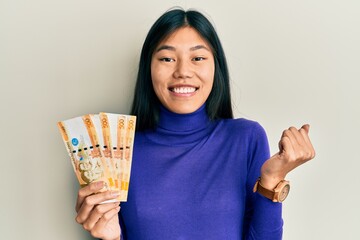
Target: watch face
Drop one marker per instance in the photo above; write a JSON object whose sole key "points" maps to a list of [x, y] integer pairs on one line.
{"points": [[284, 192]]}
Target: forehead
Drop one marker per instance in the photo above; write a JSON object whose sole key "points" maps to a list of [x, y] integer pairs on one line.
{"points": [[187, 36]]}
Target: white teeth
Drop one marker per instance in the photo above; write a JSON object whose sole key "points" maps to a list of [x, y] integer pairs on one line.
{"points": [[184, 89]]}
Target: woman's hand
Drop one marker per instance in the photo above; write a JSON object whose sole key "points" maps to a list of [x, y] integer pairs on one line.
{"points": [[295, 148], [101, 220]]}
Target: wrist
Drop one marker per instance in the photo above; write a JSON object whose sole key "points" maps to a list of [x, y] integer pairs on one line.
{"points": [[276, 194], [270, 182]]}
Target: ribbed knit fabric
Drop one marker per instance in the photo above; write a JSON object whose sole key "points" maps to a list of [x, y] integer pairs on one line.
{"points": [[192, 178]]}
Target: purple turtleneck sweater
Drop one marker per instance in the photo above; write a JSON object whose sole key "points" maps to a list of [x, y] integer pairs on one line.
{"points": [[192, 179]]}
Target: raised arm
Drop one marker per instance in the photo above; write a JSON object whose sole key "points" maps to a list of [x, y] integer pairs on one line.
{"points": [[263, 219]]}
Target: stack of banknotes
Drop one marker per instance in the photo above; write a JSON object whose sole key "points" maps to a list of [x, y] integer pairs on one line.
{"points": [[100, 147]]}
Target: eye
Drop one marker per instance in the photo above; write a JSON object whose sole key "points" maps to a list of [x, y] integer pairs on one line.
{"points": [[198, 59], [165, 59]]}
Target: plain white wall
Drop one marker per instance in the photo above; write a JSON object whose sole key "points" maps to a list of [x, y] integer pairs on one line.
{"points": [[291, 62]]}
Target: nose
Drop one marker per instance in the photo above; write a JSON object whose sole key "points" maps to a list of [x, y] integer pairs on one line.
{"points": [[183, 70]]}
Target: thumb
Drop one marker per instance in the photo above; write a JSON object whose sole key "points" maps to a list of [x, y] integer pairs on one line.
{"points": [[306, 127]]}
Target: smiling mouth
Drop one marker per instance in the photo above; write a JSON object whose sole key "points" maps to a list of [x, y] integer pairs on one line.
{"points": [[183, 89]]}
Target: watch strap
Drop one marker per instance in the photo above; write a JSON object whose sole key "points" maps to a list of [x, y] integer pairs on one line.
{"points": [[264, 191]]}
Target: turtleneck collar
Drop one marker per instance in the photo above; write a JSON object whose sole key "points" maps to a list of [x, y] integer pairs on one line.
{"points": [[183, 122], [178, 129]]}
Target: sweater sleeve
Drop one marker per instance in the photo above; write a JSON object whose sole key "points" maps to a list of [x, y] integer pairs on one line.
{"points": [[263, 218]]}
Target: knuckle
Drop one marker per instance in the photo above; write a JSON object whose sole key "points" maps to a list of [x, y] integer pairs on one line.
{"points": [[284, 138], [92, 187], [98, 210], [107, 215], [301, 155], [94, 233], [309, 154], [88, 201], [81, 193], [291, 158], [292, 128], [302, 130], [86, 227], [78, 219]]}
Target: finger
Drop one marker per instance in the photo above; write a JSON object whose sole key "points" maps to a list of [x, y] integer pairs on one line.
{"points": [[288, 149], [103, 221], [305, 134], [91, 201], [98, 213], [310, 147], [288, 135], [299, 140], [84, 192], [304, 150], [280, 146]]}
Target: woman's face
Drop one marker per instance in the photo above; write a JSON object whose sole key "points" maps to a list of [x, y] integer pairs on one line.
{"points": [[182, 71]]}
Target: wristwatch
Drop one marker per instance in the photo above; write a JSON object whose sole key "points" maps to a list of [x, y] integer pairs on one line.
{"points": [[278, 194]]}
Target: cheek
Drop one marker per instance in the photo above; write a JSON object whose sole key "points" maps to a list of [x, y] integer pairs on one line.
{"points": [[207, 77], [159, 78], [208, 82], [207, 71], [158, 84], [155, 77]]}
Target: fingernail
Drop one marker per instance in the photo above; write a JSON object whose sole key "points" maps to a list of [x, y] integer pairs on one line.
{"points": [[100, 184], [115, 193]]}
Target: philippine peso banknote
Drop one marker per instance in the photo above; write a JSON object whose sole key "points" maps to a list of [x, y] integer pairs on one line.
{"points": [[100, 147], [122, 135], [103, 131]]}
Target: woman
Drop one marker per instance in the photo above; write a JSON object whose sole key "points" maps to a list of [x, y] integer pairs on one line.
{"points": [[195, 168]]}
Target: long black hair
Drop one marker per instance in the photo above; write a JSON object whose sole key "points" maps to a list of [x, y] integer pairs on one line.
{"points": [[145, 103]]}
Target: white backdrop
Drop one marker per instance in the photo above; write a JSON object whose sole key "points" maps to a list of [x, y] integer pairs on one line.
{"points": [[291, 62]]}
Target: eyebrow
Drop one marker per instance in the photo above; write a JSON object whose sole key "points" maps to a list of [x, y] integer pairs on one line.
{"points": [[199, 47], [165, 47], [171, 48]]}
